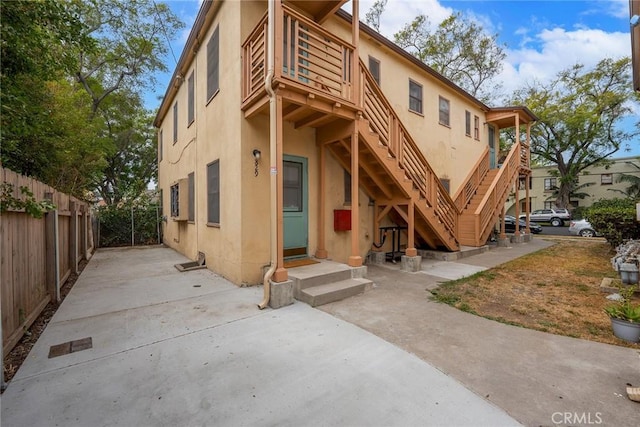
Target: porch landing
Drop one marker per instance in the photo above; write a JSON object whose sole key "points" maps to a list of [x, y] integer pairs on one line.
{"points": [[327, 281]]}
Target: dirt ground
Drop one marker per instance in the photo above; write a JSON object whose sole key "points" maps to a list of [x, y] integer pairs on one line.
{"points": [[555, 290], [14, 359]]}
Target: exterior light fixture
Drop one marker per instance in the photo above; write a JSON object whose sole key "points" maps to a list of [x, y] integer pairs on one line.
{"points": [[256, 156], [634, 21]]}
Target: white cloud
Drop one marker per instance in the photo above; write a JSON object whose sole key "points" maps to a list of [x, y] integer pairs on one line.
{"points": [[400, 12], [558, 50]]}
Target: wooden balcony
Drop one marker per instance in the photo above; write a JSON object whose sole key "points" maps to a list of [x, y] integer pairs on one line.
{"points": [[312, 67]]}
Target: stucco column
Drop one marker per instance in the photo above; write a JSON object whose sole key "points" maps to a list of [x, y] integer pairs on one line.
{"points": [[321, 251], [281, 274], [411, 250], [355, 260]]}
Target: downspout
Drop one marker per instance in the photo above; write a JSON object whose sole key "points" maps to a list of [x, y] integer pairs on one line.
{"points": [[273, 226]]}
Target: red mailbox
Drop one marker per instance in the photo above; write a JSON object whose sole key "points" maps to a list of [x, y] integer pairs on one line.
{"points": [[341, 219]]}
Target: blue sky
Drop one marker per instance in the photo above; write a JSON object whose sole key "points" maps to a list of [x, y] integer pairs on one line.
{"points": [[541, 37]]}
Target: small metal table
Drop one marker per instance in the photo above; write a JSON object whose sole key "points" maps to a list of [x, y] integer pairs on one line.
{"points": [[395, 230]]}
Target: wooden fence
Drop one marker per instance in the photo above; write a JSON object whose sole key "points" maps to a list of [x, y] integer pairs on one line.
{"points": [[38, 254]]}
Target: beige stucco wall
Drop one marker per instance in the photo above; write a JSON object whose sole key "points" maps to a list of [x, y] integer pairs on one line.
{"points": [[448, 150], [239, 247], [213, 136]]}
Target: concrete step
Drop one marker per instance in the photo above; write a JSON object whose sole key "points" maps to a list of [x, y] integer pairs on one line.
{"points": [[318, 274], [336, 291]]}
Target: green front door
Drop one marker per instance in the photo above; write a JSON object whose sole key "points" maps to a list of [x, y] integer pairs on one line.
{"points": [[295, 206]]}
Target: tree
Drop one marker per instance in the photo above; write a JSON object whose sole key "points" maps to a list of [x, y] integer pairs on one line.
{"points": [[131, 39], [131, 158], [372, 18], [37, 42], [459, 49], [578, 119]]}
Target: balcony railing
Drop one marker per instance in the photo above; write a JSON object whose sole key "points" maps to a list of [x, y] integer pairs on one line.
{"points": [[308, 57]]}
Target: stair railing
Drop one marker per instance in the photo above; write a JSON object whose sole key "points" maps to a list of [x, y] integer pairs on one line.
{"points": [[497, 193], [400, 145], [471, 183]]}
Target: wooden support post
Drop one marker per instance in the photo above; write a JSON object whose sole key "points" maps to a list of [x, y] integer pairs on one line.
{"points": [[503, 233], [376, 226], [73, 237], [52, 256], [281, 274], [321, 251], [355, 260], [355, 61], [527, 202], [411, 246], [517, 221]]}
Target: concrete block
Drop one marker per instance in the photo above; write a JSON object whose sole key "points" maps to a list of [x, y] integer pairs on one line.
{"points": [[359, 272], [517, 239], [527, 238], [281, 294], [377, 258], [411, 263], [504, 242]]}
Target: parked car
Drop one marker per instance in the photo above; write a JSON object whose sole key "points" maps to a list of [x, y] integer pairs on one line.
{"points": [[510, 225], [555, 217], [582, 228]]}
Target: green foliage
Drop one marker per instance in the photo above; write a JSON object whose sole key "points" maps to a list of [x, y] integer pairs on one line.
{"points": [[459, 49], [615, 219], [115, 224], [579, 115], [625, 309], [27, 202], [372, 18], [131, 161], [72, 74]]}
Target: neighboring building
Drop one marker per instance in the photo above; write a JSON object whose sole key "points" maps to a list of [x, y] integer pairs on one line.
{"points": [[358, 135], [599, 182]]}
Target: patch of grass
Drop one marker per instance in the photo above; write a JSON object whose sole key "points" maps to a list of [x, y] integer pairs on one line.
{"points": [[555, 290], [583, 288], [466, 307]]}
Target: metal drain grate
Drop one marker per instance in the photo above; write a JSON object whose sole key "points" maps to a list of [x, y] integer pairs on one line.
{"points": [[70, 347]]}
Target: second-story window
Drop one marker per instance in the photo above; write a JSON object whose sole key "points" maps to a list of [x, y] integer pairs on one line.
{"points": [[175, 122], [190, 100], [467, 123], [476, 127], [415, 97], [443, 107], [213, 64], [606, 179], [550, 184], [374, 68]]}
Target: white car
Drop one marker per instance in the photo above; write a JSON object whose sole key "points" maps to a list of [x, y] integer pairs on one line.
{"points": [[582, 228]]}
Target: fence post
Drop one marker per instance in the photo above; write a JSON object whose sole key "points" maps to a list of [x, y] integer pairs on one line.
{"points": [[83, 231], [52, 255], [73, 237], [133, 242]]}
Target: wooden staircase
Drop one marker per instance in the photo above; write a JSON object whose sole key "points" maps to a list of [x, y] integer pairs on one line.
{"points": [[485, 205], [393, 170]]}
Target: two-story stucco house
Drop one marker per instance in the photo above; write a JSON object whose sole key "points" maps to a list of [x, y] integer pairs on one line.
{"points": [[290, 130]]}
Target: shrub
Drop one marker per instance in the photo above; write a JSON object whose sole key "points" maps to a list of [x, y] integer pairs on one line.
{"points": [[115, 225], [615, 219]]}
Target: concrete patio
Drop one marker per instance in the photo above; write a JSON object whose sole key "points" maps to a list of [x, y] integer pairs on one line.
{"points": [[188, 349]]}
